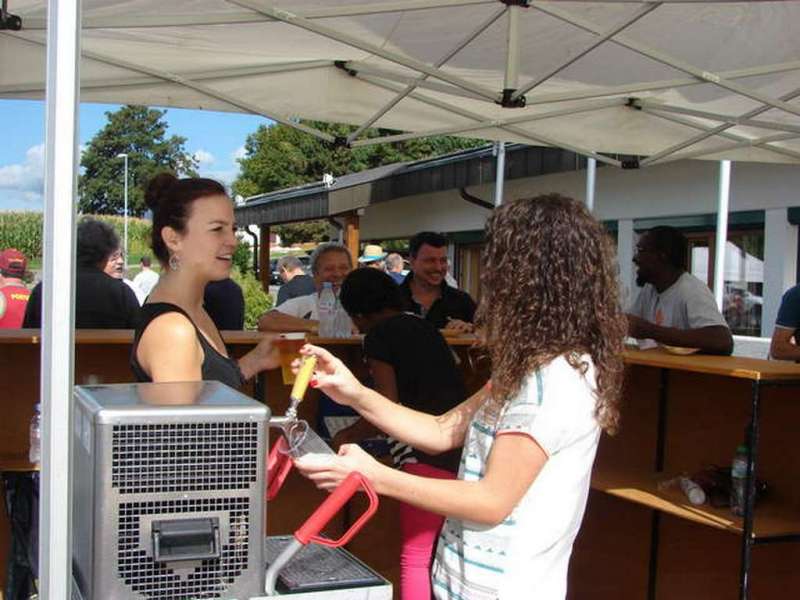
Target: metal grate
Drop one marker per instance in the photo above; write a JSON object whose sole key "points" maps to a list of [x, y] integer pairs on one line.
{"points": [[178, 457], [211, 578]]}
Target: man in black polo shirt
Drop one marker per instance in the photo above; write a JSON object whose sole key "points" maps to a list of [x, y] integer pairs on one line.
{"points": [[425, 290]]}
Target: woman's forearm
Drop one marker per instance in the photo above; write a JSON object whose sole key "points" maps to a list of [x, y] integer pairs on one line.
{"points": [[429, 433]]}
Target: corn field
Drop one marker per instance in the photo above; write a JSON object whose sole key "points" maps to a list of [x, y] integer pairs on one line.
{"points": [[23, 231]]}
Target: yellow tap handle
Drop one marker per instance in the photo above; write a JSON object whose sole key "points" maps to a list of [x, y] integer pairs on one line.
{"points": [[302, 378]]}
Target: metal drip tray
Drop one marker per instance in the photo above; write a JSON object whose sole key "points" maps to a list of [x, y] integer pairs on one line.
{"points": [[319, 568]]}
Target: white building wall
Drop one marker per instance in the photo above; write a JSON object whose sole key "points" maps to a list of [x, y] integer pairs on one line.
{"points": [[672, 189]]}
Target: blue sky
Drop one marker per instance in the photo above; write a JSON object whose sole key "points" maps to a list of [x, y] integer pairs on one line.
{"points": [[216, 140]]}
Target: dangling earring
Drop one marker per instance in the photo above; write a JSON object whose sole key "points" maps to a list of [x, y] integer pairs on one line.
{"points": [[174, 262]]}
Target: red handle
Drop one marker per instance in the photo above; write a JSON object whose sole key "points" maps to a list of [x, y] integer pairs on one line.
{"points": [[309, 530], [279, 464]]}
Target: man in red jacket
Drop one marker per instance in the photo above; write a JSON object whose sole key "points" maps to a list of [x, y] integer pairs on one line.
{"points": [[14, 293]]}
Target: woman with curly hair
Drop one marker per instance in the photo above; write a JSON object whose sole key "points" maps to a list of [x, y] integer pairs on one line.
{"points": [[552, 325]]}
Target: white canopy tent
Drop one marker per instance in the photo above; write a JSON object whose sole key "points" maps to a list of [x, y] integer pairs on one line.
{"points": [[661, 80]]}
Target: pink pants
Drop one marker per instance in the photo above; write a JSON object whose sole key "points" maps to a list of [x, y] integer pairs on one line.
{"points": [[419, 530]]}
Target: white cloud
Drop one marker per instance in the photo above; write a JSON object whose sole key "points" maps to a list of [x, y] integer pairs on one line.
{"points": [[204, 157], [22, 184], [239, 153]]}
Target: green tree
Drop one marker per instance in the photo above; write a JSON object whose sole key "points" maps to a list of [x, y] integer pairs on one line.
{"points": [[279, 156], [139, 132]]}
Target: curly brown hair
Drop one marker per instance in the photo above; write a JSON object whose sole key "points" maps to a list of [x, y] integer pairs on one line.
{"points": [[550, 289]]}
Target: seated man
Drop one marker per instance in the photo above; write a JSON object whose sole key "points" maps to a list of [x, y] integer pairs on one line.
{"points": [[674, 307], [425, 289], [295, 282], [786, 326], [330, 262]]}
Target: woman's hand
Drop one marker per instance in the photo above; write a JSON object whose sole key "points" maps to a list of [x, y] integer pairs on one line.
{"points": [[331, 376], [329, 473]]}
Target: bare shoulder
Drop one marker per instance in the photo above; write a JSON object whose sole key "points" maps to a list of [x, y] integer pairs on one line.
{"points": [[171, 327]]}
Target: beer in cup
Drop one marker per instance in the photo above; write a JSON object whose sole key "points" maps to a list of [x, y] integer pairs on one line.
{"points": [[289, 345]]}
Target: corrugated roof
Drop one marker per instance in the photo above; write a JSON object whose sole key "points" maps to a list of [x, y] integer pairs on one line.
{"points": [[465, 168]]}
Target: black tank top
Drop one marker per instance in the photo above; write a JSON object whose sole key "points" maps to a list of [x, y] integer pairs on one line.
{"points": [[216, 367]]}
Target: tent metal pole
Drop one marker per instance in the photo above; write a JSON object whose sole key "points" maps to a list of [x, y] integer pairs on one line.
{"points": [[591, 171], [499, 183], [642, 11], [778, 137], [358, 10], [595, 92], [413, 85], [526, 118], [727, 136], [115, 84], [663, 58], [208, 91], [511, 79], [728, 119], [58, 316], [723, 201], [712, 132]]}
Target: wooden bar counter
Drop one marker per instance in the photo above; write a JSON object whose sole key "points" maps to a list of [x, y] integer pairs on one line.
{"points": [[679, 414]]}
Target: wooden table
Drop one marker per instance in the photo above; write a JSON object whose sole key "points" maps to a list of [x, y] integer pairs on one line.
{"points": [[680, 414]]}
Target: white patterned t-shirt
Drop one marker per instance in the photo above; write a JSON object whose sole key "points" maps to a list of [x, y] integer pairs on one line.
{"points": [[527, 555]]}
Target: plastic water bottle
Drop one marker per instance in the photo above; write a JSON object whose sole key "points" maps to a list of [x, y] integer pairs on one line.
{"points": [[693, 492], [326, 309], [342, 322], [35, 432], [739, 481]]}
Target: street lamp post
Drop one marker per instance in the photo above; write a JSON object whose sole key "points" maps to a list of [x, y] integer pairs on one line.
{"points": [[125, 241]]}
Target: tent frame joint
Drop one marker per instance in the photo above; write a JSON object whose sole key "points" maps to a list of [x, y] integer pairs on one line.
{"points": [[7, 20], [507, 99], [634, 103], [522, 3], [342, 64], [630, 163]]}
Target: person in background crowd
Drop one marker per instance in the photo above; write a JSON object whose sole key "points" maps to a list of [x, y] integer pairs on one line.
{"points": [[373, 257], [116, 268], [410, 363], [674, 307], [224, 303], [530, 436], [295, 282], [14, 293], [330, 262], [194, 239], [425, 288], [786, 325], [394, 267], [101, 301], [146, 279]]}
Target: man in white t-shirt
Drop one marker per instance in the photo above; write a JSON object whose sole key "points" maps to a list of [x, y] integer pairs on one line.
{"points": [[146, 280], [330, 262], [674, 307]]}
